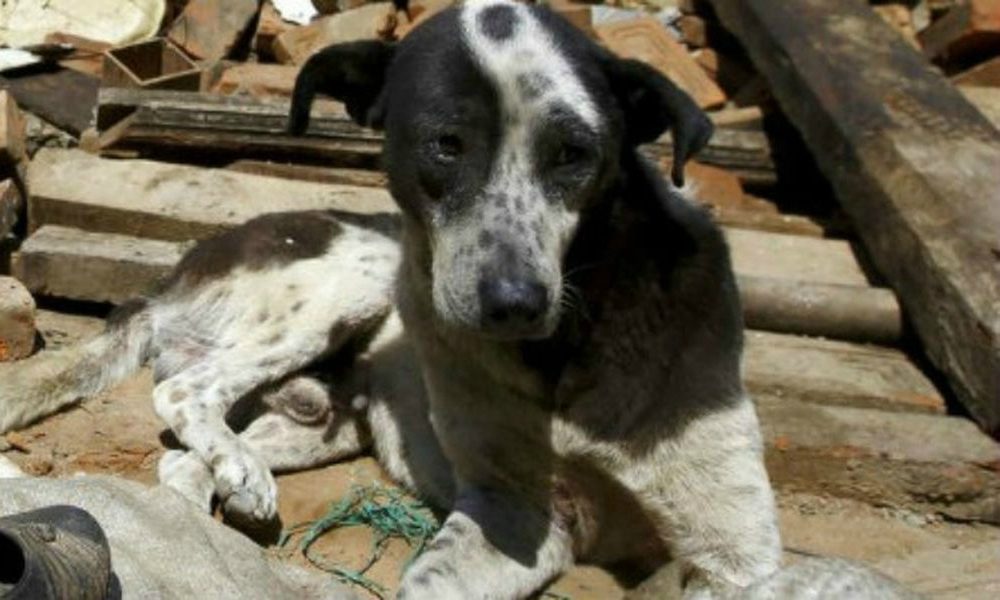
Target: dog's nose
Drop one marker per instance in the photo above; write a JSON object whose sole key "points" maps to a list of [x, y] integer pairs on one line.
{"points": [[507, 301]]}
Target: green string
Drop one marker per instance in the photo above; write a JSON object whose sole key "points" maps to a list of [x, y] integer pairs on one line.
{"points": [[386, 511]]}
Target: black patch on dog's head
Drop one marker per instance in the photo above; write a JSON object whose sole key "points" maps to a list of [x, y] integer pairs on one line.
{"points": [[498, 22]]}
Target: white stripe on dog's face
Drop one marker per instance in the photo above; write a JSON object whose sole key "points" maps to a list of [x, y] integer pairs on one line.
{"points": [[517, 226], [516, 52]]}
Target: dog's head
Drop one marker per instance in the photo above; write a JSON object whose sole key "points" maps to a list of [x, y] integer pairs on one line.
{"points": [[503, 125]]}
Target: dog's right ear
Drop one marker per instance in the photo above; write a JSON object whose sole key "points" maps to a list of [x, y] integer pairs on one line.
{"points": [[353, 73]]}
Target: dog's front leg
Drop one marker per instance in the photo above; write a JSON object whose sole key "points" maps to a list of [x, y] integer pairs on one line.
{"points": [[492, 546]]}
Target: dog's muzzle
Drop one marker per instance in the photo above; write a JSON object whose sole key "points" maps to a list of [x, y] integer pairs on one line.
{"points": [[513, 306]]}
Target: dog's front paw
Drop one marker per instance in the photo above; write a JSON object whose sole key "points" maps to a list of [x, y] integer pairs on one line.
{"points": [[246, 487], [184, 473]]}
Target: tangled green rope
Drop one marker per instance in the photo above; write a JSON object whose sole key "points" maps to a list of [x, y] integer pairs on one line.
{"points": [[389, 515]]}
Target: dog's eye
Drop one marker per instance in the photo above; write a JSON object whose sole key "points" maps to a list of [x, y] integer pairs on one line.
{"points": [[570, 154], [448, 148]]}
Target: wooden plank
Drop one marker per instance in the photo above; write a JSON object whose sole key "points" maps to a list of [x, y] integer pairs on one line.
{"points": [[257, 79], [836, 373], [239, 127], [170, 202], [647, 40], [794, 258], [843, 312], [361, 177], [772, 222], [98, 267], [63, 97], [923, 463], [911, 161]]}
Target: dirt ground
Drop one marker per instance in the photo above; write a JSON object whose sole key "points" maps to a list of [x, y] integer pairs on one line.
{"points": [[118, 433]]}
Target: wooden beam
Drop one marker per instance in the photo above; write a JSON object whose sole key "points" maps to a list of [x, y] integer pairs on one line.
{"points": [[842, 312], [243, 128], [171, 202], [836, 373], [913, 163], [794, 258], [924, 463], [98, 267], [63, 97]]}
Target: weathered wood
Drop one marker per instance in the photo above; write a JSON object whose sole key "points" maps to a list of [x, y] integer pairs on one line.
{"points": [[919, 462], [835, 373], [257, 79], [361, 177], [843, 312], [912, 162], [63, 97], [771, 222], [240, 127], [794, 258], [84, 265], [170, 202], [151, 64], [99, 267]]}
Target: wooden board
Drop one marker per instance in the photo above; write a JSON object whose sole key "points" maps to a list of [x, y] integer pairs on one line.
{"points": [[836, 373], [170, 202], [63, 97], [843, 312], [794, 258], [100, 267], [911, 161], [242, 128], [923, 463]]}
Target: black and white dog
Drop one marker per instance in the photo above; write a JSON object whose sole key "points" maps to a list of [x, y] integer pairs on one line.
{"points": [[550, 347]]}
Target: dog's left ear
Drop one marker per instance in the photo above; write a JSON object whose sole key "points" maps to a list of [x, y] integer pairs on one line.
{"points": [[652, 105], [353, 73]]}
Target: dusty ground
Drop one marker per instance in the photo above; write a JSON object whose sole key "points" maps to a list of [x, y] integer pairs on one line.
{"points": [[118, 433]]}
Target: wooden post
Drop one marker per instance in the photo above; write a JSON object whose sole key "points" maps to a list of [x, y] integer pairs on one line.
{"points": [[914, 164]]}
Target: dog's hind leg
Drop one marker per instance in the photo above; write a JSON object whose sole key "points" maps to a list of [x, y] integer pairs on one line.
{"points": [[491, 546]]}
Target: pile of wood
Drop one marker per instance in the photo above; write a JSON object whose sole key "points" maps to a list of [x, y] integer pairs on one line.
{"points": [[183, 136]]}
